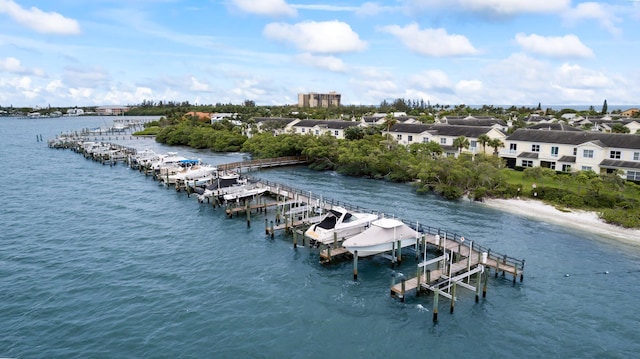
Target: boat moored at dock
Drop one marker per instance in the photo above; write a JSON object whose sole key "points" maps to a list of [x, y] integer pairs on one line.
{"points": [[382, 236], [339, 224]]}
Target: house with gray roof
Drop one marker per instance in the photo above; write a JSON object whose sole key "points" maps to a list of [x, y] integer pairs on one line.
{"points": [[319, 127], [278, 125], [406, 134], [569, 151]]}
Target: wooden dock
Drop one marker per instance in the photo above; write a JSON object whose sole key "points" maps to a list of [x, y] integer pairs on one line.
{"points": [[458, 259]]}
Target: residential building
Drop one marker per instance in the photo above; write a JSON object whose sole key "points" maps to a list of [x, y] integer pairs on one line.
{"points": [[312, 99], [278, 125], [319, 127], [569, 151], [630, 112], [406, 134], [111, 110]]}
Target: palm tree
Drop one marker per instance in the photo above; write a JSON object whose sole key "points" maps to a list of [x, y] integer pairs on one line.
{"points": [[460, 143], [495, 144], [483, 140]]}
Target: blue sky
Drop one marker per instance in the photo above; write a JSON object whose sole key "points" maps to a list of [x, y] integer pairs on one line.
{"points": [[501, 52]]}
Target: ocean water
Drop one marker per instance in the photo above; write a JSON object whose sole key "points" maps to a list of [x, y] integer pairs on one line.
{"points": [[99, 261]]}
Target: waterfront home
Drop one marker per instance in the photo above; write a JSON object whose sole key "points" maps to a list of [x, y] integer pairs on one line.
{"points": [[111, 110], [319, 127], [569, 151], [445, 135], [278, 125]]}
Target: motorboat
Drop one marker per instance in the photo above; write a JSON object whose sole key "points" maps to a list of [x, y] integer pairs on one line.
{"points": [[191, 169], [248, 190], [382, 236], [338, 224]]}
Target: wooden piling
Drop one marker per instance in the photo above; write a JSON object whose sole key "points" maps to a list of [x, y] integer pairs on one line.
{"points": [[435, 304], [453, 297], [399, 253], [248, 210], [478, 285], [295, 239], [355, 265], [484, 284]]}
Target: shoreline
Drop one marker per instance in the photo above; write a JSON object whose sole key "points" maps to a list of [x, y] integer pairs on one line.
{"points": [[578, 219]]}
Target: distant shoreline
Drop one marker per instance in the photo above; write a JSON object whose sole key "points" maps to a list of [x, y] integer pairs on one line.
{"points": [[583, 220]]}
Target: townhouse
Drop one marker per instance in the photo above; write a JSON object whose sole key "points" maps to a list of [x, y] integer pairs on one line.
{"points": [[569, 151], [406, 134], [319, 127]]}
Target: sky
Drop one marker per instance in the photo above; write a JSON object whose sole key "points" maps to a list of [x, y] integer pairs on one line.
{"points": [[495, 52]]}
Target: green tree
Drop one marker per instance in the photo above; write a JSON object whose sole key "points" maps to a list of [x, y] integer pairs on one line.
{"points": [[496, 144], [483, 140], [619, 128], [460, 143], [604, 107]]}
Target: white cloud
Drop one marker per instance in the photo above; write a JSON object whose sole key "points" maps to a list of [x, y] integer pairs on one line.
{"points": [[40, 21], [593, 11], [330, 63], [431, 42], [365, 9], [469, 86], [553, 46], [54, 86], [576, 77], [435, 80], [197, 85], [265, 7], [317, 37], [13, 65], [491, 8], [89, 78]]}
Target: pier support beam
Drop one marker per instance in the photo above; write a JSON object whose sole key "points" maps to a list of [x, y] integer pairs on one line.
{"points": [[435, 304], [355, 265]]}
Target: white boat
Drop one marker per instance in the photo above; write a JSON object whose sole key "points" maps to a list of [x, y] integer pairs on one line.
{"points": [[237, 193], [381, 237], [191, 169], [340, 224]]}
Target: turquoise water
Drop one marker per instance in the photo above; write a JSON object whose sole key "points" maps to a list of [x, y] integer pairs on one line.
{"points": [[100, 261]]}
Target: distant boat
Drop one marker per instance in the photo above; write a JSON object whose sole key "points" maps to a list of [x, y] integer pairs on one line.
{"points": [[381, 237], [339, 223]]}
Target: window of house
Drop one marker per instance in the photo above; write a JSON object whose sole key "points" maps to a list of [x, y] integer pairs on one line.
{"points": [[425, 140], [513, 147], [410, 138], [317, 132], [535, 148], [473, 144], [636, 156], [554, 151], [575, 151], [303, 129], [586, 168], [614, 155], [566, 168], [443, 141], [336, 133], [527, 163], [633, 175], [552, 165], [587, 154], [398, 137]]}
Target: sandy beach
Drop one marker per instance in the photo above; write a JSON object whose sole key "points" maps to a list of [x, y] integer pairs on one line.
{"points": [[583, 220]]}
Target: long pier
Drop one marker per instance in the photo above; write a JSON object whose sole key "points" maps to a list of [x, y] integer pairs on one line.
{"points": [[457, 259]]}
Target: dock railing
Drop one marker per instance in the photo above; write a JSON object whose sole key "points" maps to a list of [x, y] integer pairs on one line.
{"points": [[503, 259]]}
